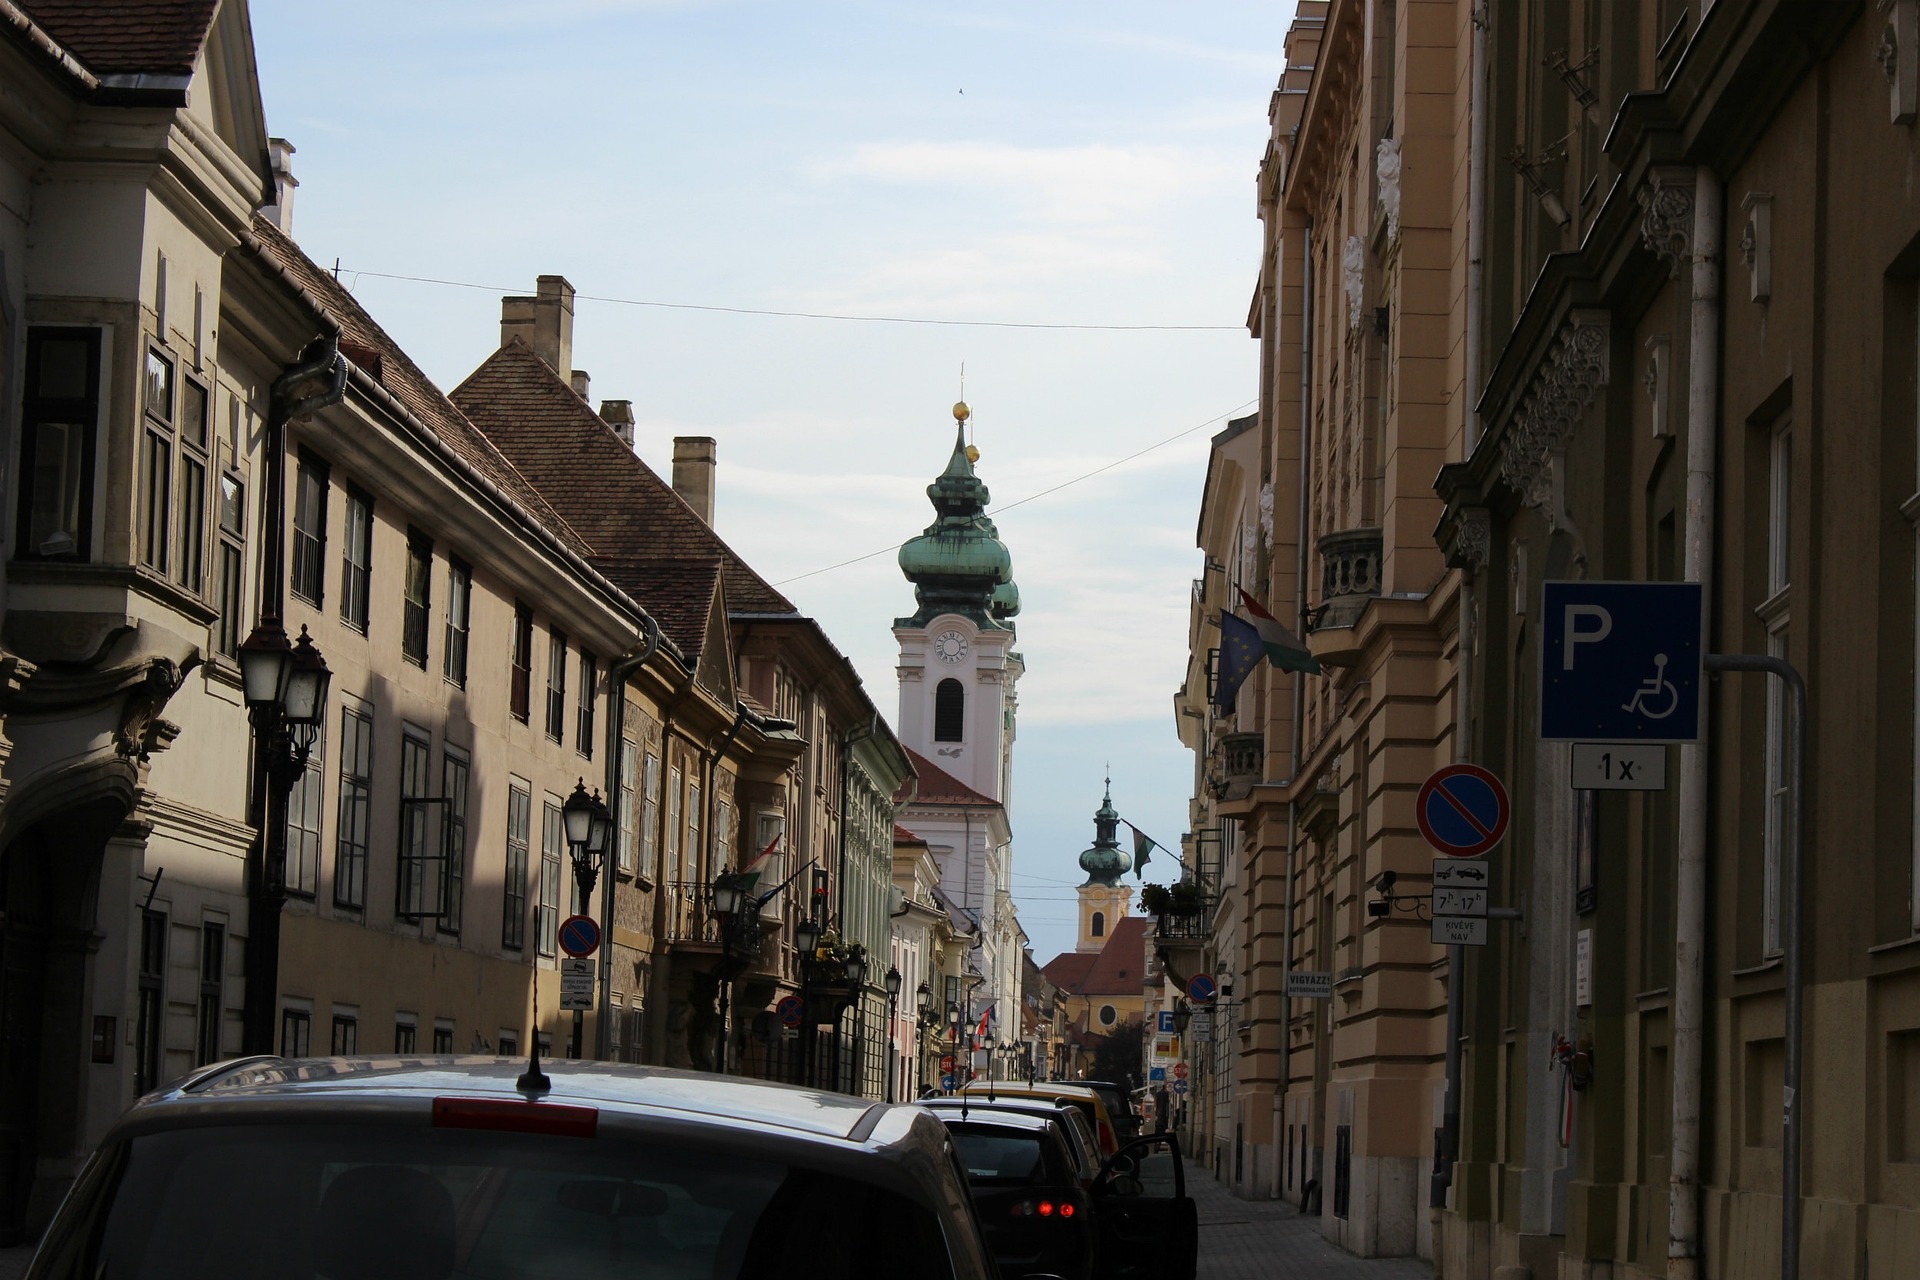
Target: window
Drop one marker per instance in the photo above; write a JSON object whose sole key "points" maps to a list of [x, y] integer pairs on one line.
{"points": [[629, 846], [405, 1035], [459, 604], [230, 584], [556, 686], [455, 770], [617, 1017], [309, 529], [522, 692], [1098, 929], [153, 1000], [672, 870], [509, 1044], [296, 1033], [636, 1029], [414, 889], [553, 843], [583, 717], [1108, 1015], [156, 462], [949, 711], [213, 970], [692, 857], [356, 806], [723, 837], [419, 589], [1776, 615], [513, 924], [650, 815], [190, 549], [443, 1037], [346, 1034], [356, 560], [303, 819], [61, 410]]}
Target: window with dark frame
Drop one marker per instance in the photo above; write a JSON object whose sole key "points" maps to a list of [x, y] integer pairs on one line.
{"points": [[59, 421], [152, 1010], [949, 711], [557, 685], [304, 803], [405, 1037], [459, 621], [442, 1040], [346, 1034], [521, 695], [296, 1033], [650, 815], [356, 561], [190, 549], [230, 584], [356, 808], [628, 849], [513, 920], [415, 893], [455, 772], [213, 970], [419, 589], [156, 461], [308, 569], [583, 717], [553, 843]]}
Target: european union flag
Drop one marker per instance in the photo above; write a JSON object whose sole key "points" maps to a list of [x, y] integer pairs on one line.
{"points": [[1240, 652]]}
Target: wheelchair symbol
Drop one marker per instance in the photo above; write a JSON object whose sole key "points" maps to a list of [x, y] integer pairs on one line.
{"points": [[1655, 685]]}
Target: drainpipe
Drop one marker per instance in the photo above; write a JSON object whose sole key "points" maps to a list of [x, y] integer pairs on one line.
{"points": [[616, 716], [1299, 678], [1690, 897], [1476, 219]]}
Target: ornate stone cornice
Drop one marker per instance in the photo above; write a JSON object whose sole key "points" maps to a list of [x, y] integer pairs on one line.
{"points": [[1667, 223], [1561, 392]]}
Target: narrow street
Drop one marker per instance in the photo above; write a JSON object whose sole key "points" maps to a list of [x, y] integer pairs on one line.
{"points": [[1269, 1240]]}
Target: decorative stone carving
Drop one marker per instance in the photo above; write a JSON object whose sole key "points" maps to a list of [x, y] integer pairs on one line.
{"points": [[1756, 244], [1353, 271], [1386, 169], [1667, 224], [1350, 576], [1266, 513], [1562, 390], [1898, 53], [1473, 548], [142, 732]]}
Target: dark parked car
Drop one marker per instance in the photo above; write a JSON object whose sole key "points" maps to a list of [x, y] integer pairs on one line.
{"points": [[455, 1169], [1119, 1100], [1032, 1205], [1073, 1124]]}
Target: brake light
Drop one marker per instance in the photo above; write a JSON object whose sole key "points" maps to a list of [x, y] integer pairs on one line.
{"points": [[1066, 1209], [1046, 1208], [555, 1119]]}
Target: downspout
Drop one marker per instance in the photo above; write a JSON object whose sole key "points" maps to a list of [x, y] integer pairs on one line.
{"points": [[1690, 896], [1476, 219], [616, 722], [1299, 678]]}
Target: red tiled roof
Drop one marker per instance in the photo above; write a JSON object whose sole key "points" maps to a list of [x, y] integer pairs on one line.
{"points": [[646, 538], [1121, 966], [937, 786], [361, 335], [1066, 970], [903, 836], [116, 36]]}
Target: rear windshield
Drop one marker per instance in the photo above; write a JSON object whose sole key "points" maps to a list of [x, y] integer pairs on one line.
{"points": [[351, 1202], [998, 1158]]}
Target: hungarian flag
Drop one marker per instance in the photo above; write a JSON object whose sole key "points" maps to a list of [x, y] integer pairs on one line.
{"points": [[767, 852], [980, 1032], [1284, 649], [1142, 846]]}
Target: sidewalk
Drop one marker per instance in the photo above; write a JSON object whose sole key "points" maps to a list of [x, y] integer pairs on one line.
{"points": [[1269, 1240]]}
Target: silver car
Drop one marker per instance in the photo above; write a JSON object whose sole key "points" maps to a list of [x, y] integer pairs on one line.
{"points": [[436, 1169]]}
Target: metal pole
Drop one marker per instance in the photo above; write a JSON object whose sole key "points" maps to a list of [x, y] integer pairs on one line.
{"points": [[1790, 927]]}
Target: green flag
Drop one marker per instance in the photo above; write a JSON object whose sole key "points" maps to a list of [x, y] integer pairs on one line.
{"points": [[1141, 847]]}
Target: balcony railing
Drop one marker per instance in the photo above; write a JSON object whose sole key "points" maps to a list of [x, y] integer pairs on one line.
{"points": [[690, 916], [1187, 925], [1349, 576]]}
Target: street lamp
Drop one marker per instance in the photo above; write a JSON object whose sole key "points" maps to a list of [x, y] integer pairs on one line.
{"points": [[893, 1026], [586, 823], [738, 943]]}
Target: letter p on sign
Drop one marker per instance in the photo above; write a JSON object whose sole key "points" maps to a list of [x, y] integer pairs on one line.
{"points": [[1602, 628]]}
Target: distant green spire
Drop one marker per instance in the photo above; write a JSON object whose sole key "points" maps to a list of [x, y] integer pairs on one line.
{"points": [[1106, 861], [959, 565]]}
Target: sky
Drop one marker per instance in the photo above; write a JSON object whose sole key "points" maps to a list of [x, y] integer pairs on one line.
{"points": [[1021, 173]]}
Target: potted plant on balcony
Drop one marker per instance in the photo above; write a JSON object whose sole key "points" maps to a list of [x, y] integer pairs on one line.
{"points": [[1185, 899], [1155, 899]]}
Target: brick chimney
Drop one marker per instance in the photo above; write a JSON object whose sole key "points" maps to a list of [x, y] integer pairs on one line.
{"points": [[618, 415], [693, 466], [544, 322], [582, 381]]}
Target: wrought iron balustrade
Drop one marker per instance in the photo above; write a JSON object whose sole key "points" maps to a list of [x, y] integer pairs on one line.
{"points": [[1349, 576], [690, 914]]}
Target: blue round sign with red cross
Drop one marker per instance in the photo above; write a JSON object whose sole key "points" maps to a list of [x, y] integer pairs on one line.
{"points": [[791, 1010], [1462, 810], [579, 936], [1200, 987]]}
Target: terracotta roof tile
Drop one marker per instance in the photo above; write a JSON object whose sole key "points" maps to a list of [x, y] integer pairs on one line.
{"points": [[361, 336], [1121, 966], [937, 786], [1066, 970], [117, 36], [903, 836], [647, 539]]}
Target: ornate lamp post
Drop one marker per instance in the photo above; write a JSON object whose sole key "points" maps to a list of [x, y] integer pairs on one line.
{"points": [[928, 1017], [734, 909], [806, 940], [893, 1020], [587, 826]]}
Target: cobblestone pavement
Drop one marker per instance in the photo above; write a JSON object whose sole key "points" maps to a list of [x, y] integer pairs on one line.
{"points": [[1269, 1240]]}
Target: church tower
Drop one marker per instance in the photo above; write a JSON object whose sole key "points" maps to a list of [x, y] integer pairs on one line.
{"points": [[1103, 899], [957, 665]]}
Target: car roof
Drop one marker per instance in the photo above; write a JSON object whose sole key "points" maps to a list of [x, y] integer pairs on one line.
{"points": [[617, 1087], [986, 1118], [1041, 1089]]}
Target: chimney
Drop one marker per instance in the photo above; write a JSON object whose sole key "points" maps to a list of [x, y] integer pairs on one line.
{"points": [[280, 161], [618, 415], [544, 322], [693, 464], [581, 381]]}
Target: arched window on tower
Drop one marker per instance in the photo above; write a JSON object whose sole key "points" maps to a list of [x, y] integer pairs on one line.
{"points": [[1099, 926], [949, 711]]}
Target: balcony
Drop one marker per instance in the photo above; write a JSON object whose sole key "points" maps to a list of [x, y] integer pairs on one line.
{"points": [[1349, 578], [1235, 764]]}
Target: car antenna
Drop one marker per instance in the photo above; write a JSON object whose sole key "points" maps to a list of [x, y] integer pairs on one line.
{"points": [[533, 1079]]}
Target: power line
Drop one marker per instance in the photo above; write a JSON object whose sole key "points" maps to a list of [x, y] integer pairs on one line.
{"points": [[1034, 497], [817, 315]]}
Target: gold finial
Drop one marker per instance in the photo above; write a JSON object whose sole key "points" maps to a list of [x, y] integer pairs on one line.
{"points": [[973, 454], [960, 411]]}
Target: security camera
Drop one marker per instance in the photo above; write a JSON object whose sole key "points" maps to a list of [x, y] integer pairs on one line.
{"points": [[1384, 883]]}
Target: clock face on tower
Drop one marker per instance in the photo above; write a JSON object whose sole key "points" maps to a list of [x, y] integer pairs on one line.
{"points": [[949, 646]]}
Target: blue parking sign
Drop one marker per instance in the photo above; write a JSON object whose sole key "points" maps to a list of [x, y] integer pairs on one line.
{"points": [[1620, 662], [1156, 1074]]}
